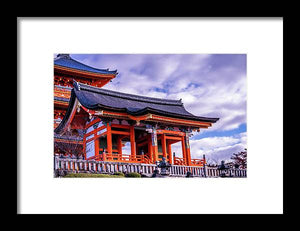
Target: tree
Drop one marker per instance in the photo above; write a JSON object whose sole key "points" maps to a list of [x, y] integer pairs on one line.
{"points": [[69, 143], [240, 159]]}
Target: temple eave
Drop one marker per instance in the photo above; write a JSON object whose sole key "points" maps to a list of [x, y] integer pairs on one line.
{"points": [[83, 73]]}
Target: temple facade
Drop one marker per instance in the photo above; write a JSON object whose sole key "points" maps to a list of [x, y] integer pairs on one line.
{"points": [[110, 120], [66, 70]]}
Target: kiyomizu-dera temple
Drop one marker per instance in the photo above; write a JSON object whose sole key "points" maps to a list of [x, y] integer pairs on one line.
{"points": [[111, 119], [66, 69]]}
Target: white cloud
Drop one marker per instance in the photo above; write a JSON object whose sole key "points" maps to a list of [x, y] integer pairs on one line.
{"points": [[215, 148], [209, 85]]}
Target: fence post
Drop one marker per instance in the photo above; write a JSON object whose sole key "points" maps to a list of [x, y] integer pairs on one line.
{"points": [[204, 164]]}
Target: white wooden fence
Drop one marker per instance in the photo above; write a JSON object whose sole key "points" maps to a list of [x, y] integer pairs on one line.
{"points": [[77, 165]]}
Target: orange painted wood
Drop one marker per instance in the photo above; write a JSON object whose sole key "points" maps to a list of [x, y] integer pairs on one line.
{"points": [[150, 150], [88, 110], [60, 103], [96, 147], [188, 157], [84, 146], [120, 126], [96, 136], [169, 151], [173, 138], [92, 122], [85, 73], [177, 133], [120, 132], [173, 141], [163, 118], [142, 143], [132, 142], [123, 136], [188, 152], [144, 138], [94, 131], [109, 139], [164, 145], [183, 149], [119, 145], [152, 117], [154, 149]]}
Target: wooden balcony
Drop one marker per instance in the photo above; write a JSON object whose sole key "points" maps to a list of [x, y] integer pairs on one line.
{"points": [[122, 158]]}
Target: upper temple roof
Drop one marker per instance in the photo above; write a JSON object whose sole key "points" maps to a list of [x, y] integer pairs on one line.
{"points": [[65, 60]]}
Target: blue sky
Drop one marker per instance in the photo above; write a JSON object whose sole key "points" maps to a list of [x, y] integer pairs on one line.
{"points": [[212, 85]]}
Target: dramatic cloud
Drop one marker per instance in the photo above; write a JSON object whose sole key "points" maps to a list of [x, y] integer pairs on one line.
{"points": [[209, 85], [215, 148]]}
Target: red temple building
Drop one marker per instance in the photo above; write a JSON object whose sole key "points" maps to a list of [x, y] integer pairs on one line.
{"points": [[94, 128], [110, 119], [66, 70]]}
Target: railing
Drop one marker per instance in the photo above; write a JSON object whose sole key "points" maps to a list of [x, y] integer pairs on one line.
{"points": [[179, 161], [179, 170], [62, 91], [194, 162], [198, 162], [77, 165], [122, 158]]}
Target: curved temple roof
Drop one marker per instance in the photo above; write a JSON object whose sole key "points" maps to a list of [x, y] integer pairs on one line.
{"points": [[65, 60], [102, 99]]}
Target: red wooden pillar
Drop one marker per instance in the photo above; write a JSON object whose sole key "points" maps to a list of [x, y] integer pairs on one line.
{"points": [[183, 149], [154, 145], [188, 152], [96, 147], [119, 144], [109, 139], [132, 142], [150, 149], [164, 145], [84, 146], [169, 150]]}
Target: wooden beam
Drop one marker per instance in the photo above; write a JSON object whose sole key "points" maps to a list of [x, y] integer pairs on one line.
{"points": [[124, 136], [142, 143], [120, 126], [94, 131], [173, 138], [173, 141], [177, 133], [120, 132], [92, 122]]}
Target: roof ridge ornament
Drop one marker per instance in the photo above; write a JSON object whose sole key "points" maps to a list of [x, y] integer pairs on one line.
{"points": [[76, 85], [66, 56]]}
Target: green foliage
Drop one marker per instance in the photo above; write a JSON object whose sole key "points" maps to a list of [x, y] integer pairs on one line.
{"points": [[91, 175], [119, 174], [133, 174]]}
